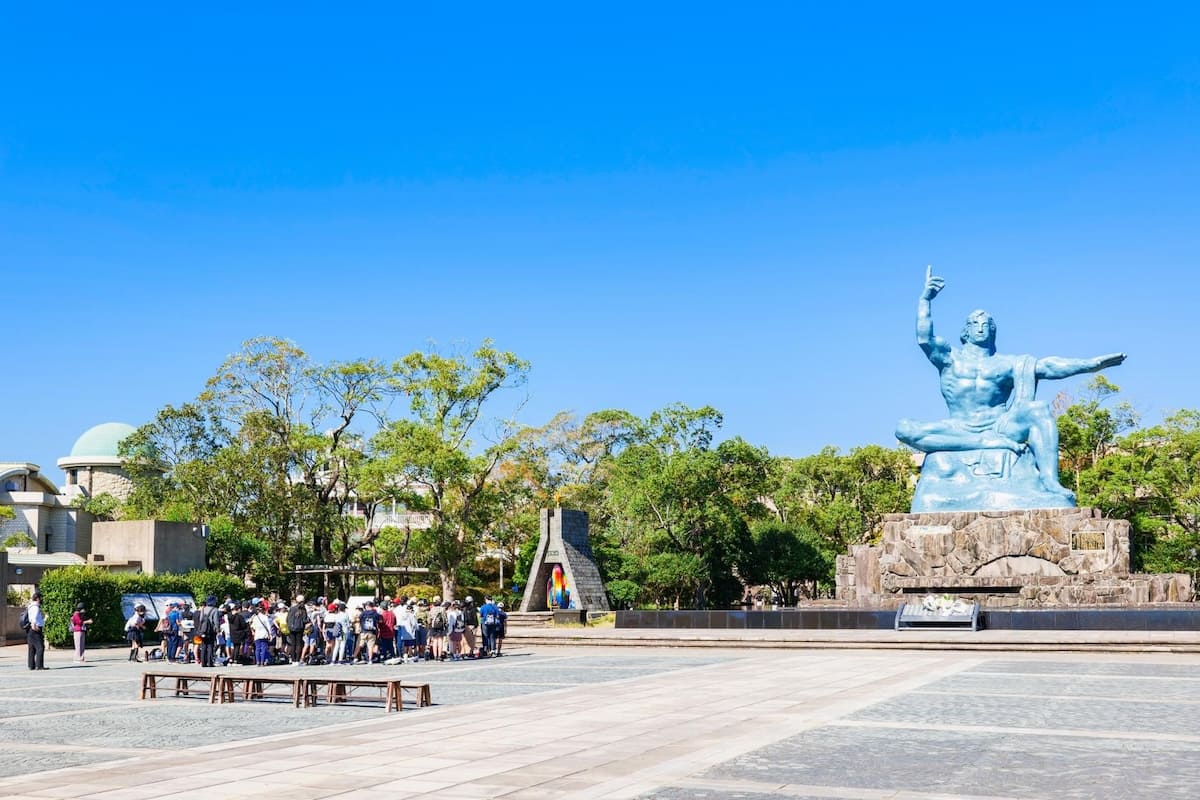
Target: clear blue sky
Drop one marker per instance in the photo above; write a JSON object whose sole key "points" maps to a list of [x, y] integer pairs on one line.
{"points": [[721, 204]]}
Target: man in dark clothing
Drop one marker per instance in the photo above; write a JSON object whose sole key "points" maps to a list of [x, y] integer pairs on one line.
{"points": [[35, 635], [239, 629], [208, 625], [471, 624], [297, 618]]}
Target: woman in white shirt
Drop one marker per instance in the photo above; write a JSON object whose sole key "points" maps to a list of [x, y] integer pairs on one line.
{"points": [[260, 628]]}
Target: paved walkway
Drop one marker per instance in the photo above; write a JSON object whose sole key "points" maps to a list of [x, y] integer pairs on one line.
{"points": [[649, 723], [940, 640]]}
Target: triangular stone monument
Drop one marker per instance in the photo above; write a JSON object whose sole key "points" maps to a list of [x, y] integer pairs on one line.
{"points": [[563, 541]]}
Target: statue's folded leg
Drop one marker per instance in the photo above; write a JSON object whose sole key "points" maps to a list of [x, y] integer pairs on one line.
{"points": [[931, 437]]}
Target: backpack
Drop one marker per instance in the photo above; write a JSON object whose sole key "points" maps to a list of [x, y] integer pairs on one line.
{"points": [[297, 616], [368, 623], [490, 619], [460, 624], [281, 622], [205, 625], [24, 620], [439, 621], [470, 616]]}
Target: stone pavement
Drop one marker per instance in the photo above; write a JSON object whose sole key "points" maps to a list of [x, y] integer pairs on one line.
{"points": [[625, 723], [1179, 641]]}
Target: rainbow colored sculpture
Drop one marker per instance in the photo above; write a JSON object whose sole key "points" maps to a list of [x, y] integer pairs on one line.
{"points": [[557, 593]]}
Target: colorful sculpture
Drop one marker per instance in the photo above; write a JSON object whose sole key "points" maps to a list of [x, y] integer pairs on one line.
{"points": [[557, 593]]}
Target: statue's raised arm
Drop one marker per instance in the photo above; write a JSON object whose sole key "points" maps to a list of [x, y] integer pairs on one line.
{"points": [[935, 348]]}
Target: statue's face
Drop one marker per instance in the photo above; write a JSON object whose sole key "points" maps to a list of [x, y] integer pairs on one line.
{"points": [[979, 329]]}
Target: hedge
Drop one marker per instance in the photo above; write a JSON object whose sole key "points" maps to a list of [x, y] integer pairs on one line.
{"points": [[100, 591]]}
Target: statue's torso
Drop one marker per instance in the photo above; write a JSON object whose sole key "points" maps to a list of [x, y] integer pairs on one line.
{"points": [[977, 387]]}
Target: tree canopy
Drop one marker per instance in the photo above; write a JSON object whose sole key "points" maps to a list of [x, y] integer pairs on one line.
{"points": [[291, 462]]}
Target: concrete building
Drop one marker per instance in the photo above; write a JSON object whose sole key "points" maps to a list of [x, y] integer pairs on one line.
{"points": [[57, 531]]}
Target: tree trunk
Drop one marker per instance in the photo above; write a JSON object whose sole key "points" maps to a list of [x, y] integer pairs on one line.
{"points": [[449, 585]]}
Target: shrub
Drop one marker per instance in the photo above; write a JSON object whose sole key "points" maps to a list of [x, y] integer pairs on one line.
{"points": [[100, 591], [430, 591]]}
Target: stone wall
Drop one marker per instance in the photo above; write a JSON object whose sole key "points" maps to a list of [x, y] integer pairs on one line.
{"points": [[1012, 559], [107, 480]]}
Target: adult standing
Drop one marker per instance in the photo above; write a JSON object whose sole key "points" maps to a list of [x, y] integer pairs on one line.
{"points": [[470, 615], [239, 629], [174, 623], [422, 615], [387, 632], [406, 632], [260, 629], [501, 628], [489, 622], [35, 637], [455, 627], [368, 623], [79, 630], [335, 623], [208, 625], [297, 619]]}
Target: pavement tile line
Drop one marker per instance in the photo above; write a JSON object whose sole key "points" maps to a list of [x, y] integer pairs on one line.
{"points": [[1074, 676], [1071, 697], [1016, 731], [775, 788]]}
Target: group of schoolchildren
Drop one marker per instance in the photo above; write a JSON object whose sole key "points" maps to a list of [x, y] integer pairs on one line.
{"points": [[261, 631]]}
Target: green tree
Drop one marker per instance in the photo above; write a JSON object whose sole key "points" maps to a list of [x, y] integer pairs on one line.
{"points": [[842, 498], [790, 559], [431, 457], [271, 450], [1151, 477], [679, 506], [1090, 429]]}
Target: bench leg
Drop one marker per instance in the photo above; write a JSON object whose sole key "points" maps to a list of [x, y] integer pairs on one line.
{"points": [[392, 697]]}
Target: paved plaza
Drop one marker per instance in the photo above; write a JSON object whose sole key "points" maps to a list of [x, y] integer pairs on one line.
{"points": [[631, 723]]}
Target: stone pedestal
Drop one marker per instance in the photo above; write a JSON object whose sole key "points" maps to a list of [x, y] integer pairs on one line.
{"points": [[1003, 559]]}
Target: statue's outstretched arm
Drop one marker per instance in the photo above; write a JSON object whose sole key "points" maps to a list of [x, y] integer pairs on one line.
{"points": [[1056, 367], [935, 347]]}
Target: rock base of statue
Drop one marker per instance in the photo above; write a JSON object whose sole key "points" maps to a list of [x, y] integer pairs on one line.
{"points": [[1054, 557], [983, 480]]}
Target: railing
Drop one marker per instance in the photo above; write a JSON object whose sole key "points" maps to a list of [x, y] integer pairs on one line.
{"points": [[401, 519]]}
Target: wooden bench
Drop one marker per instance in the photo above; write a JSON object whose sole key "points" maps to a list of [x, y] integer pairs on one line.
{"points": [[421, 690], [253, 687], [340, 690], [183, 684]]}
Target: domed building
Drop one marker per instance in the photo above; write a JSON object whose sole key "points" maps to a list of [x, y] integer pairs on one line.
{"points": [[49, 528], [94, 464]]}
